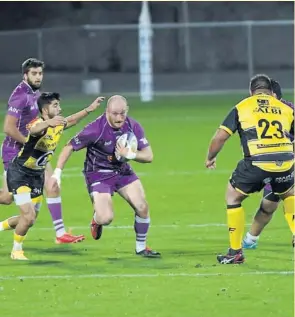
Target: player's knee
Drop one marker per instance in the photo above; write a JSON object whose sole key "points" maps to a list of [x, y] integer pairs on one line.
{"points": [[6, 198], [53, 191], [233, 197], [142, 209], [108, 220], [29, 219], [268, 207], [104, 219]]}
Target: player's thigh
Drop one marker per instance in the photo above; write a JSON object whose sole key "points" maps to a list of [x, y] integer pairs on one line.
{"points": [[102, 204], [247, 179], [269, 195], [283, 183], [134, 194], [270, 201]]}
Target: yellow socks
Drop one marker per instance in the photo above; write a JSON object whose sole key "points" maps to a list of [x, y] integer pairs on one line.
{"points": [[18, 242], [289, 210], [4, 225], [236, 224]]}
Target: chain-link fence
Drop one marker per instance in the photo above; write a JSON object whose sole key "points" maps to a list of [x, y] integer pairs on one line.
{"points": [[186, 56]]}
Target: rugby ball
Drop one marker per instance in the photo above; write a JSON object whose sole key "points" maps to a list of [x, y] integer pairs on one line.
{"points": [[128, 140]]}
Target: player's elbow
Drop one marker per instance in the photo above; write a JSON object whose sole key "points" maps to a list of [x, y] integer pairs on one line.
{"points": [[7, 128], [149, 157]]}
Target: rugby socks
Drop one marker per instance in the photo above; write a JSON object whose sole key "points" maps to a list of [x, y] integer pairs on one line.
{"points": [[54, 206], [249, 238], [236, 224], [18, 242], [141, 227], [289, 212], [4, 225]]}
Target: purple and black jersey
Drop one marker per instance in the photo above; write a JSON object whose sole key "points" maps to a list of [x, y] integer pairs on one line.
{"points": [[22, 105], [100, 140]]}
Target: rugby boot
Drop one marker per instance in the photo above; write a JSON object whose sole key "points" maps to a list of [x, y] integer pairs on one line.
{"points": [[148, 253], [232, 257], [18, 255], [96, 230]]}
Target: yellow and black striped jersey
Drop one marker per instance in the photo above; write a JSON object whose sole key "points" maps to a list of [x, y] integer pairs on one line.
{"points": [[38, 150], [264, 124]]}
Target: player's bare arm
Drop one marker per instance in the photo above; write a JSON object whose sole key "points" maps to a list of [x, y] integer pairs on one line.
{"points": [[77, 117], [55, 179], [10, 128], [40, 127], [217, 142]]}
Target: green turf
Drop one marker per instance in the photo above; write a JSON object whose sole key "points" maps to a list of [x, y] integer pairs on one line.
{"points": [[105, 278]]}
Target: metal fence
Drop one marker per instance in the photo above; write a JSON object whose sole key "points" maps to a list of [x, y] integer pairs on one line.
{"points": [[187, 56]]}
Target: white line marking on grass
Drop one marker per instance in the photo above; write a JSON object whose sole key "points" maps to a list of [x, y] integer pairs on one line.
{"points": [[51, 277], [157, 173], [203, 225]]}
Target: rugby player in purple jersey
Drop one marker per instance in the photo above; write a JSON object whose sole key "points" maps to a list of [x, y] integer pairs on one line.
{"points": [[105, 173], [270, 201], [22, 109]]}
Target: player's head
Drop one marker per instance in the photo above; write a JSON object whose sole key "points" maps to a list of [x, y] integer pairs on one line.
{"points": [[116, 111], [260, 84], [32, 70], [276, 89], [49, 104]]}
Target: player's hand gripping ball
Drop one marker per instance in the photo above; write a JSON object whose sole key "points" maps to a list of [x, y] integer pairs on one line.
{"points": [[126, 147]]}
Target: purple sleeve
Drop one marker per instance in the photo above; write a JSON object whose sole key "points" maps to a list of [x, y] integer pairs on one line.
{"points": [[288, 103], [139, 133], [85, 137], [16, 103]]}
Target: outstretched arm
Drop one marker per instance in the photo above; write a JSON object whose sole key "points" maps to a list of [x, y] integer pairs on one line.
{"points": [[38, 126], [78, 116]]}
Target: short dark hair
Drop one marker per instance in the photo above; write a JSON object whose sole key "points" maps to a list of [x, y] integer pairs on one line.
{"points": [[276, 88], [32, 63], [46, 98], [260, 81]]}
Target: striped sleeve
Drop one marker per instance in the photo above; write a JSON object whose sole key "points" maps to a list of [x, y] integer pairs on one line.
{"points": [[33, 122], [231, 122]]}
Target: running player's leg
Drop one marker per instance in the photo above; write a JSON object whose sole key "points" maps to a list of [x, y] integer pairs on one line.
{"points": [[53, 199], [101, 189], [246, 179], [283, 185], [6, 198], [130, 188], [268, 206], [24, 187]]}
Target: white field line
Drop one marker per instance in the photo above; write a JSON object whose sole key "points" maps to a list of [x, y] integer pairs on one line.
{"points": [[202, 225], [74, 172], [146, 174], [83, 276]]}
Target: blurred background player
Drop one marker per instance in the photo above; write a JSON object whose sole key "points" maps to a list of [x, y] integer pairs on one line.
{"points": [[270, 201], [261, 121], [22, 108], [104, 174], [26, 172]]}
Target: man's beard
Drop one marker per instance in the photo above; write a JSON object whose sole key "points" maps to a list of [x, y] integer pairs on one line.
{"points": [[34, 87]]}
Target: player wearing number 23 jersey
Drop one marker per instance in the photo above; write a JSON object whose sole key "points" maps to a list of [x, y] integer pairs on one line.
{"points": [[264, 124]]}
